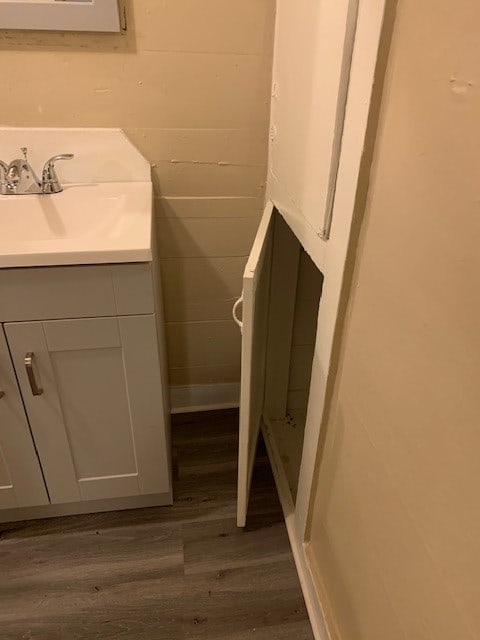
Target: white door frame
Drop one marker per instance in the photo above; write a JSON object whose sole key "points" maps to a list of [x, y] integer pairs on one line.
{"points": [[330, 255]]}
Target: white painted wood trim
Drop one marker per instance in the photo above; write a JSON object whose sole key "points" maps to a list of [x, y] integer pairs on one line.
{"points": [[350, 31], [312, 54], [369, 28], [330, 256], [52, 15], [306, 234], [310, 594], [255, 293], [204, 397]]}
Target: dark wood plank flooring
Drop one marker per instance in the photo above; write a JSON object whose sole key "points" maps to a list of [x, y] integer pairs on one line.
{"points": [[167, 573]]}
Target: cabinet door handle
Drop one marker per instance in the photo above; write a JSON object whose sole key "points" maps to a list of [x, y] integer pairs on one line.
{"points": [[234, 313], [36, 390], [2, 393]]}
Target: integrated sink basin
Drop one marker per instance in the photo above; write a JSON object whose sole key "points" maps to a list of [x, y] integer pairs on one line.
{"points": [[103, 214], [85, 224]]}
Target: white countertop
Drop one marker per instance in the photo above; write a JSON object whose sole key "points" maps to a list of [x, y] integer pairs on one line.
{"points": [[104, 213], [85, 224]]}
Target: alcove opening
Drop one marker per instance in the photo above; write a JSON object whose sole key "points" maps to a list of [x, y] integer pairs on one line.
{"points": [[295, 296]]}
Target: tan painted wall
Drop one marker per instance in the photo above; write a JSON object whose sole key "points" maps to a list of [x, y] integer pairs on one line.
{"points": [[395, 536], [190, 82]]}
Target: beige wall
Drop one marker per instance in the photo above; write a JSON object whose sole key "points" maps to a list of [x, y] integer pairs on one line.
{"points": [[190, 82], [395, 535]]}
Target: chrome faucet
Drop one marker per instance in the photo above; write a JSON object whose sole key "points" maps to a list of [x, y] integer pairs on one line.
{"points": [[3, 178], [50, 181], [18, 178]]}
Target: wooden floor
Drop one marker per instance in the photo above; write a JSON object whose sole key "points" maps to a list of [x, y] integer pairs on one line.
{"points": [[181, 572]]}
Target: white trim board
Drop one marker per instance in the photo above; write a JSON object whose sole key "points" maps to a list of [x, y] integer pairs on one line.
{"points": [[308, 106], [204, 397], [362, 76], [330, 256], [302, 563]]}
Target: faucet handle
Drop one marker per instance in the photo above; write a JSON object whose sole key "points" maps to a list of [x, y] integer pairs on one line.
{"points": [[24, 151], [50, 182], [3, 178]]}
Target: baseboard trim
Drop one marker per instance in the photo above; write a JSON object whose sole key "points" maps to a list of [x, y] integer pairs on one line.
{"points": [[204, 397], [89, 506], [302, 562]]}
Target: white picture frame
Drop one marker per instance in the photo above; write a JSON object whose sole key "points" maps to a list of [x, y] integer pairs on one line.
{"points": [[60, 15]]}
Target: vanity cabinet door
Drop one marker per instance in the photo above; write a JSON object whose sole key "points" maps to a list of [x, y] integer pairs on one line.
{"points": [[92, 390], [21, 480]]}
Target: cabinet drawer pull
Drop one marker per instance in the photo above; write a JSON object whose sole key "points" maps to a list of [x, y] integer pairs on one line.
{"points": [[36, 390], [234, 313]]}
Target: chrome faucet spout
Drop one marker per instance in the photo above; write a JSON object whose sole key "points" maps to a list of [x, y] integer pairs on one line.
{"points": [[50, 181], [18, 178]]}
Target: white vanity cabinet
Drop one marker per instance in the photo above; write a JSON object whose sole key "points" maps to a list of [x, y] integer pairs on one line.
{"points": [[85, 397]]}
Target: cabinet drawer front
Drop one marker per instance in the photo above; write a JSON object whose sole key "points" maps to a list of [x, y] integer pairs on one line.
{"points": [[94, 400], [49, 293]]}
